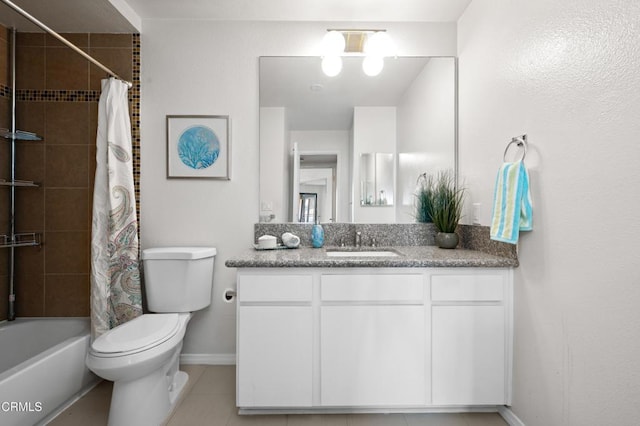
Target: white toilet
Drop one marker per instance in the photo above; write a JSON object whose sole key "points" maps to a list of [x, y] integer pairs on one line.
{"points": [[141, 356]]}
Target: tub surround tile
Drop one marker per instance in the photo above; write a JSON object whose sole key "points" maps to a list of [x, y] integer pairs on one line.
{"points": [[111, 40], [79, 39], [67, 166], [66, 295], [67, 252], [30, 293], [30, 116], [67, 123], [54, 100], [4, 288], [30, 39], [30, 261], [30, 162], [30, 204], [113, 58], [67, 209], [4, 52], [30, 66], [65, 70]]}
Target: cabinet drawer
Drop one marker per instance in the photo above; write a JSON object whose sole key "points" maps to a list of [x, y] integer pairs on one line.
{"points": [[275, 288], [482, 288], [372, 287]]}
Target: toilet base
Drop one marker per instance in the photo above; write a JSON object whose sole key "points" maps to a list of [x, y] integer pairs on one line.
{"points": [[149, 400], [180, 380]]}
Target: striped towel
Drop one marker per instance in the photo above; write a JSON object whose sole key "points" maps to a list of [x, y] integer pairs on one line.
{"points": [[511, 203]]}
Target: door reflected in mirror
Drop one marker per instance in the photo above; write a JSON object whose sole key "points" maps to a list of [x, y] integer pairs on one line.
{"points": [[307, 207], [407, 113]]}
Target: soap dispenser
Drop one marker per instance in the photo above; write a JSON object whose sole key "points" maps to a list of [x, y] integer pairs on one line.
{"points": [[317, 235]]}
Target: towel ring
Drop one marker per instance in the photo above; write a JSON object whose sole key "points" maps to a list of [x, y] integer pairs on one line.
{"points": [[519, 141]]}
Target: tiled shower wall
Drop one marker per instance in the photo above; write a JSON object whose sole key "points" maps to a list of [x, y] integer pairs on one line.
{"points": [[57, 95]]}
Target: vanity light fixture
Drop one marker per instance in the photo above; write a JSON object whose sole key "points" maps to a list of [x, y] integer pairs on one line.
{"points": [[374, 45]]}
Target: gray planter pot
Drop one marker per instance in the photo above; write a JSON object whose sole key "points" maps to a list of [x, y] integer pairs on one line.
{"points": [[447, 240]]}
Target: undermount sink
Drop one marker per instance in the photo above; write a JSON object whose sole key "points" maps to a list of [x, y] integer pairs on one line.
{"points": [[361, 253]]}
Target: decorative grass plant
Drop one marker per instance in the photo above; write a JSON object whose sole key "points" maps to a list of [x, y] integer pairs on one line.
{"points": [[424, 197], [446, 202]]}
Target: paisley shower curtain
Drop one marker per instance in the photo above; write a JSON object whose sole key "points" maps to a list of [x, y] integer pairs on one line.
{"points": [[115, 276]]}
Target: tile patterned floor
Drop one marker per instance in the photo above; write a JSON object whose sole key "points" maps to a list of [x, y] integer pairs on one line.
{"points": [[210, 400]]}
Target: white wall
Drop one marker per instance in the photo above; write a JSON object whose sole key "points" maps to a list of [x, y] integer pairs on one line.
{"points": [[211, 67], [426, 130], [567, 73], [426, 112]]}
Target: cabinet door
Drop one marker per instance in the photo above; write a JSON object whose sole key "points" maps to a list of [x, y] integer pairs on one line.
{"points": [[468, 355], [372, 355], [275, 356]]}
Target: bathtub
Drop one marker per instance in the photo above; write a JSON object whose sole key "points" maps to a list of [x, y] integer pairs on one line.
{"points": [[42, 368]]}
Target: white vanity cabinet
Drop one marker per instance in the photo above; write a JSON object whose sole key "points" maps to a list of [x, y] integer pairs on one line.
{"points": [[470, 338], [274, 339], [392, 339], [372, 340]]}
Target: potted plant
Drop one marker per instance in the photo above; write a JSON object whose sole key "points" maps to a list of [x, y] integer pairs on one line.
{"points": [[424, 195], [446, 209]]}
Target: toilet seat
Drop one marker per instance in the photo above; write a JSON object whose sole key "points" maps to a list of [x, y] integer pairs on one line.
{"points": [[137, 335]]}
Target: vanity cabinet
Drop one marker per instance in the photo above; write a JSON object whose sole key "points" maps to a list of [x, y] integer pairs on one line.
{"points": [[469, 339], [275, 337], [373, 338]]}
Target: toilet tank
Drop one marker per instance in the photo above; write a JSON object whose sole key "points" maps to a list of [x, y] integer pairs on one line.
{"points": [[178, 279]]}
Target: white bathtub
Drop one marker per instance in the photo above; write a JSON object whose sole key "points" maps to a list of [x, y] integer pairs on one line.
{"points": [[42, 368]]}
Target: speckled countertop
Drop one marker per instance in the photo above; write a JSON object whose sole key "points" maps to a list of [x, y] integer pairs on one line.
{"points": [[408, 257]]}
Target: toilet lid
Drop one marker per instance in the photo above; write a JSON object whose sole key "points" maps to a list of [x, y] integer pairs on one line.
{"points": [[145, 331]]}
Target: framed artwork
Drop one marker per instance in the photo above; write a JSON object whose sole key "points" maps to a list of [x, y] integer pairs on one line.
{"points": [[198, 146]]}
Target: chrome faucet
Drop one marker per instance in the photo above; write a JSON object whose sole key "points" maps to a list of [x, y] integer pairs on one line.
{"points": [[358, 239]]}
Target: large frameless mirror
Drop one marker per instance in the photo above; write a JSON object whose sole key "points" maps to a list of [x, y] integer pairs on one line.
{"points": [[316, 132]]}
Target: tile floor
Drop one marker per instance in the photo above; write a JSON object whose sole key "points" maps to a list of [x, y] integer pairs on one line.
{"points": [[210, 400]]}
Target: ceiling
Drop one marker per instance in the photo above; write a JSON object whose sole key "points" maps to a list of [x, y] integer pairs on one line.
{"points": [[108, 16]]}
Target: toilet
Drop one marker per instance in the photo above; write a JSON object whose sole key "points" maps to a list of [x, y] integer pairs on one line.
{"points": [[141, 356]]}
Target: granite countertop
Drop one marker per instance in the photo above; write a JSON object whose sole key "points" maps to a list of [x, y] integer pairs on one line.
{"points": [[409, 257]]}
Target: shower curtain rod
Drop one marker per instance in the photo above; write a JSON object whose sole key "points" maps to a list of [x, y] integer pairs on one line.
{"points": [[64, 40]]}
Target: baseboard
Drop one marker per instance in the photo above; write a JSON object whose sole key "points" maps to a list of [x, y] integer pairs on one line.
{"points": [[208, 359], [509, 416]]}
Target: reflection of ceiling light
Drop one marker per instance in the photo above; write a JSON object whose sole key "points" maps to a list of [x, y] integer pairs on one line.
{"points": [[374, 44], [372, 65], [316, 87], [331, 65]]}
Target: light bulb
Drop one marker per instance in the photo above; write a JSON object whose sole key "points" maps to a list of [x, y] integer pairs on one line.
{"points": [[331, 65], [333, 43], [379, 43], [372, 65]]}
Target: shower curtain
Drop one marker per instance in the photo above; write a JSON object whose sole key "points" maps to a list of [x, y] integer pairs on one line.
{"points": [[116, 295]]}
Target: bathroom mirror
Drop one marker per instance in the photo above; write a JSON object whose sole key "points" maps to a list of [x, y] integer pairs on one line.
{"points": [[407, 112], [376, 180]]}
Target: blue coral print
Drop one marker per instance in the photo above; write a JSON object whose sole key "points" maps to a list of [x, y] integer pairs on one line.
{"points": [[198, 147]]}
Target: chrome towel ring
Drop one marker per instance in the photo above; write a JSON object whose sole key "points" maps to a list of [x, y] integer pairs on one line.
{"points": [[520, 141]]}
